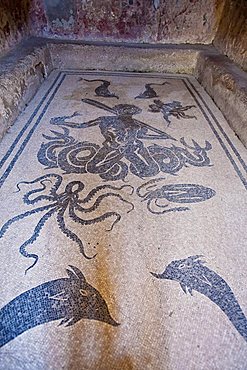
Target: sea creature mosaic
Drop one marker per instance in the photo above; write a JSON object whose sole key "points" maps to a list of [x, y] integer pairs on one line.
{"points": [[60, 202], [124, 142], [128, 147], [149, 92], [102, 89], [192, 274], [68, 299], [174, 108], [171, 193]]}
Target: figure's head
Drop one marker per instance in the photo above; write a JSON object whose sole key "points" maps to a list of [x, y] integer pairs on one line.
{"points": [[127, 110], [86, 302]]}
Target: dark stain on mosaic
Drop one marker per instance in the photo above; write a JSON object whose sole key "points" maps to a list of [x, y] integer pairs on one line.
{"points": [[191, 273], [66, 201], [172, 193], [68, 299]]}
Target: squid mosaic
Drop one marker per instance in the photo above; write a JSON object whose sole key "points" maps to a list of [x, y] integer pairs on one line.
{"points": [[68, 299], [62, 202], [123, 142], [171, 193], [192, 274]]}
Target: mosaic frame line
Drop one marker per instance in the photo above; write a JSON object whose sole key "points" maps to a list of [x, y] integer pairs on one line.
{"points": [[184, 78], [29, 121], [240, 175], [29, 135]]}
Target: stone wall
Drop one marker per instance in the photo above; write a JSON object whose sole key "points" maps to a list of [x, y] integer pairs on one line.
{"points": [[173, 21], [14, 22], [231, 38]]}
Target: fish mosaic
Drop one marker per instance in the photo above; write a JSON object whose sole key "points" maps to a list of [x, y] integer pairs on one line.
{"points": [[103, 89], [124, 146]]}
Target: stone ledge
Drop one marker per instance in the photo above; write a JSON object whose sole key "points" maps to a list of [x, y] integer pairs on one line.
{"points": [[227, 86], [124, 57], [21, 73]]}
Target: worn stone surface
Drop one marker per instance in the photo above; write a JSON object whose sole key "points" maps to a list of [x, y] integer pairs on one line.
{"points": [[132, 168], [227, 85], [172, 58], [231, 37], [21, 74], [134, 20]]}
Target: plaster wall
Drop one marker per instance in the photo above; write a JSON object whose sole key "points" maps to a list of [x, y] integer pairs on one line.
{"points": [[150, 21]]}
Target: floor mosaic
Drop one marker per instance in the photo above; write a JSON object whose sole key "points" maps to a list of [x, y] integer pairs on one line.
{"points": [[118, 189]]}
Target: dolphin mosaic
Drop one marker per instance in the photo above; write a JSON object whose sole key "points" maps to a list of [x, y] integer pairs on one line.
{"points": [[68, 299], [192, 274]]}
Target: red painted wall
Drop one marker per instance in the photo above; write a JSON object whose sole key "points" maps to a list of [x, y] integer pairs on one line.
{"points": [[165, 21]]}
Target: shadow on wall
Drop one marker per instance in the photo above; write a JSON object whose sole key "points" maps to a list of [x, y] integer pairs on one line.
{"points": [[14, 22]]}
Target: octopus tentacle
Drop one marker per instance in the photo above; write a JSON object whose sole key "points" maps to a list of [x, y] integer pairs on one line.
{"points": [[160, 205], [42, 178], [93, 192], [29, 201], [70, 234], [149, 185], [26, 197], [179, 209], [100, 199], [34, 236], [94, 220], [23, 215]]}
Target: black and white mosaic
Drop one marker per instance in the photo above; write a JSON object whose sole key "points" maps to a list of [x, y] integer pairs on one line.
{"points": [[68, 299], [192, 274], [92, 163], [59, 202], [171, 193], [102, 89], [171, 109], [123, 149]]}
